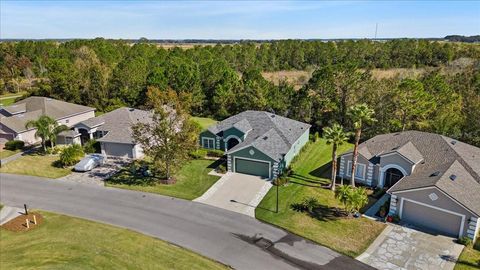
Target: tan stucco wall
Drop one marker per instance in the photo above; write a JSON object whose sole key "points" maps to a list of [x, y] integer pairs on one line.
{"points": [[28, 137], [443, 202], [72, 120], [360, 160]]}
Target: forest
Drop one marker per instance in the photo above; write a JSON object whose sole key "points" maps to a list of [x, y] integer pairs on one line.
{"points": [[441, 94]]}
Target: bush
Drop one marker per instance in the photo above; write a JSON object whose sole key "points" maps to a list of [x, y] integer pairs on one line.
{"points": [[198, 154], [71, 155], [14, 145], [91, 146], [53, 151], [464, 241], [280, 181], [215, 153], [222, 168]]}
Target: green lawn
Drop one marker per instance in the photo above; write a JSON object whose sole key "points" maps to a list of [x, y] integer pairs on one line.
{"points": [[204, 122], [470, 258], [6, 153], [36, 165], [348, 236], [192, 181], [9, 99], [63, 242]]}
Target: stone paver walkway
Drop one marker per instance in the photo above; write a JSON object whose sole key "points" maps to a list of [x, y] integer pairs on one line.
{"points": [[400, 247], [8, 213]]}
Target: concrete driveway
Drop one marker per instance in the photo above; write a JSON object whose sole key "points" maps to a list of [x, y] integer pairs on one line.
{"points": [[400, 247], [237, 192], [98, 174]]}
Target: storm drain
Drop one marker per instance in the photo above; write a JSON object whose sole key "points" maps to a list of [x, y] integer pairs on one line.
{"points": [[263, 243]]}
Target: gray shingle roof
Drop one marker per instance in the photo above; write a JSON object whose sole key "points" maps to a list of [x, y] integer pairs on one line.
{"points": [[33, 107], [272, 134], [118, 124], [439, 155]]}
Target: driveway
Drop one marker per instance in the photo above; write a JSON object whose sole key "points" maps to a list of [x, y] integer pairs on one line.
{"points": [[230, 238], [400, 247], [98, 174], [237, 192]]}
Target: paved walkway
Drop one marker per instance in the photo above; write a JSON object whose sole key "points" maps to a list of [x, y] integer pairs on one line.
{"points": [[372, 211], [230, 238], [399, 247], [8, 213], [237, 192]]}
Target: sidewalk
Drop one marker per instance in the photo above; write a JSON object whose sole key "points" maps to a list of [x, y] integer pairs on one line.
{"points": [[8, 213]]}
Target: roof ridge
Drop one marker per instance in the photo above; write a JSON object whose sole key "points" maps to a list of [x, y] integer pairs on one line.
{"points": [[280, 133]]}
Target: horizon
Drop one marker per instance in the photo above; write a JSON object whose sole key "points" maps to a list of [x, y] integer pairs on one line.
{"points": [[249, 20]]}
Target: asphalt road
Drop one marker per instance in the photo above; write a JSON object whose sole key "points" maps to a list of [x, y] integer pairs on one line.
{"points": [[233, 239]]}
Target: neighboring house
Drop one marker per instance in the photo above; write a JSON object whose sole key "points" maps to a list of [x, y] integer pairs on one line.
{"points": [[257, 142], [14, 117], [113, 131], [434, 181]]}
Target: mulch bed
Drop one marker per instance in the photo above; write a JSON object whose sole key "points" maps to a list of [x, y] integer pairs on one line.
{"points": [[18, 224]]}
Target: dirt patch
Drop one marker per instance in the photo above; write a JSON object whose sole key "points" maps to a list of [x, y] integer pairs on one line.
{"points": [[18, 224]]}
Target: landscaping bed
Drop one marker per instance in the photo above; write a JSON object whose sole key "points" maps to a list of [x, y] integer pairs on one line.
{"points": [[191, 181], [63, 242], [18, 224], [326, 225]]}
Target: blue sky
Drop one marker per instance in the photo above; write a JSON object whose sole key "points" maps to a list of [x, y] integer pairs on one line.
{"points": [[237, 19]]}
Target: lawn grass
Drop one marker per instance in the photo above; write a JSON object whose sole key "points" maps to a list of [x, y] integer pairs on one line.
{"points": [[348, 236], [36, 165], [4, 153], [204, 122], [192, 181], [63, 242], [9, 99], [470, 258]]}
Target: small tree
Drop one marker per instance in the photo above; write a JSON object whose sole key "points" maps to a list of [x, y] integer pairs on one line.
{"points": [[343, 193], [335, 136], [360, 114], [353, 199], [71, 155], [44, 128], [171, 135]]}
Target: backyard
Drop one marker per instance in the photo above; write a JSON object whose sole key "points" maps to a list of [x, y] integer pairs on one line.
{"points": [[311, 169], [204, 122], [192, 181], [63, 242], [36, 164], [9, 99]]}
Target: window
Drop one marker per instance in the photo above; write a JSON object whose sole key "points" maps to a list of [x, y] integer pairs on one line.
{"points": [[359, 170], [208, 143]]}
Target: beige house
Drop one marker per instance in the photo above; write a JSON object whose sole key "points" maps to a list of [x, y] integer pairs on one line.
{"points": [[14, 117], [433, 180]]}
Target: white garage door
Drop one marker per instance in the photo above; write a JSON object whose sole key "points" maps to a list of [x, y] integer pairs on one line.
{"points": [[118, 149]]}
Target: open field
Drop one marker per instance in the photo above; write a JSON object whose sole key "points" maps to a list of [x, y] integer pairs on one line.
{"points": [[340, 234], [297, 78], [192, 181], [63, 242]]}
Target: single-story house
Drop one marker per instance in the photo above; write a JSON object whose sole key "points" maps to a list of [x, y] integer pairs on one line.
{"points": [[433, 180], [14, 117], [113, 130], [257, 142]]}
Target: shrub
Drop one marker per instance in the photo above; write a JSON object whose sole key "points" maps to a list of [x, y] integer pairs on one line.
{"points": [[53, 151], [215, 153], [222, 168], [316, 137], [464, 241], [14, 145], [280, 181], [71, 155], [198, 154], [91, 146], [353, 199]]}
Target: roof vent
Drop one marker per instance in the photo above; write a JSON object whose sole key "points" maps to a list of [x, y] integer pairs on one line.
{"points": [[272, 116], [131, 109], [453, 177], [453, 142], [435, 174], [395, 148], [265, 138]]}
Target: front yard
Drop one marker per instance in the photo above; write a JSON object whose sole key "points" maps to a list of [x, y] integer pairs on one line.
{"points": [[4, 153], [192, 181], [470, 258], [63, 242], [350, 236], [36, 164]]}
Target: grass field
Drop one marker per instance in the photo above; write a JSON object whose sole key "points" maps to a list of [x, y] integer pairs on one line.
{"points": [[36, 165], [192, 181], [297, 78], [6, 153], [470, 258], [9, 99], [204, 122], [63, 242], [348, 236]]}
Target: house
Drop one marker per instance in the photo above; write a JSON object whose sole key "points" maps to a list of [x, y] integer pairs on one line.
{"points": [[113, 130], [433, 180], [257, 142], [14, 117]]}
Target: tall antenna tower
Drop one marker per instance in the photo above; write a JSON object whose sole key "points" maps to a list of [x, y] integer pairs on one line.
{"points": [[376, 30]]}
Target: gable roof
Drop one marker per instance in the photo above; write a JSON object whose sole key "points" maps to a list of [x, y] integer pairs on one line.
{"points": [[118, 124], [438, 158], [272, 134], [33, 107]]}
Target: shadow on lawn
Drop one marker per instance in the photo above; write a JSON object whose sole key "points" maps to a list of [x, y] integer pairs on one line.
{"points": [[319, 211], [126, 177]]}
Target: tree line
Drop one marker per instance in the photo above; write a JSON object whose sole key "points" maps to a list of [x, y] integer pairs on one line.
{"points": [[222, 80]]}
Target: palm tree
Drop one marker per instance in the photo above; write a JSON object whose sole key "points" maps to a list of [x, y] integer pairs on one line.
{"points": [[47, 129], [336, 136], [360, 114]]}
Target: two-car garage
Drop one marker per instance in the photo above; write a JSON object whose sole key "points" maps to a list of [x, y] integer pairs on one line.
{"points": [[252, 167]]}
